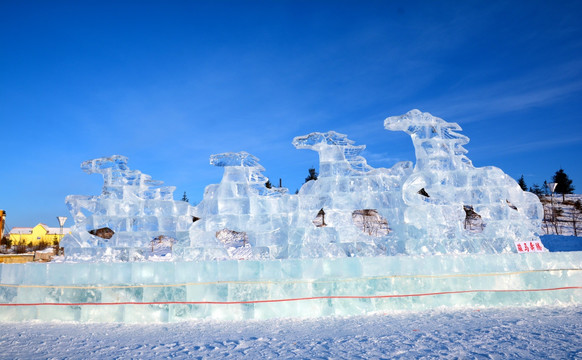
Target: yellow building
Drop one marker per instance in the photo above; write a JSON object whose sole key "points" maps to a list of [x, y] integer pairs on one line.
{"points": [[37, 234]]}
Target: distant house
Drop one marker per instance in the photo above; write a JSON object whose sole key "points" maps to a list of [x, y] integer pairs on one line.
{"points": [[37, 234]]}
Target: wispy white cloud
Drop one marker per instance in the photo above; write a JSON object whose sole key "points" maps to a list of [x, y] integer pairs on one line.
{"points": [[526, 146], [534, 90]]}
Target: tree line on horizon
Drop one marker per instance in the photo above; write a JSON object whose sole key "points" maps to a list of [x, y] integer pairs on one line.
{"points": [[554, 215], [564, 185]]}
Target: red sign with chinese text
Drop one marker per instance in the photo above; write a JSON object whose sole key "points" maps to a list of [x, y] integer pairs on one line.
{"points": [[530, 246]]}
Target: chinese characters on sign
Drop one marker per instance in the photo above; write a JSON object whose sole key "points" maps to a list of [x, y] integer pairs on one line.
{"points": [[529, 246]]}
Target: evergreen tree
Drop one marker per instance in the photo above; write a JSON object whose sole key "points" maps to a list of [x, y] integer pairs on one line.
{"points": [[536, 190], [564, 183], [268, 184], [184, 197], [521, 183], [312, 175]]}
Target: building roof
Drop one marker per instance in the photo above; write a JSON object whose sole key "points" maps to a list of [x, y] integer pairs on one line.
{"points": [[48, 229], [57, 230], [21, 230]]}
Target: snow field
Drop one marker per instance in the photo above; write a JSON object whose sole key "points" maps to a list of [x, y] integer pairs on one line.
{"points": [[497, 333]]}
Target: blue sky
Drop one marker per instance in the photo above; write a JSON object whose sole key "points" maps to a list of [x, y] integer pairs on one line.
{"points": [[170, 83]]}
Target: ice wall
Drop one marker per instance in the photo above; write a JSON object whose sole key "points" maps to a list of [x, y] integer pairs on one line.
{"points": [[253, 289]]}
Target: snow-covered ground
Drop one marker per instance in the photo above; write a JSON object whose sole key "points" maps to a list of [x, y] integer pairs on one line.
{"points": [[530, 332]]}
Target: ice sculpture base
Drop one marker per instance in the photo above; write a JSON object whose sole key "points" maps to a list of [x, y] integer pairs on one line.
{"points": [[235, 290]]}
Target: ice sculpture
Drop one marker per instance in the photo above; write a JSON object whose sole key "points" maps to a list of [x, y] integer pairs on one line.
{"points": [[130, 216], [442, 204], [240, 210], [347, 184], [252, 252], [463, 209]]}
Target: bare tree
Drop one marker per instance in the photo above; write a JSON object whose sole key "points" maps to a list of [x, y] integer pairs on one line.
{"points": [[556, 213], [576, 215], [547, 217]]}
